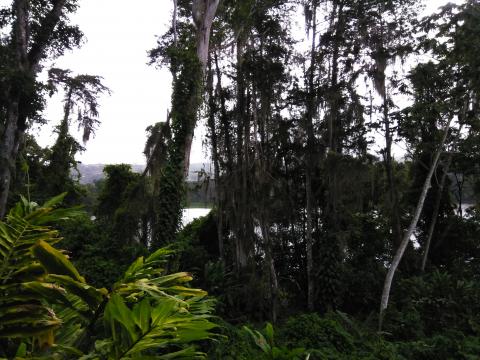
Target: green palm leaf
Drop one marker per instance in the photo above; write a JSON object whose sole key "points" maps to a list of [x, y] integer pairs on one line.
{"points": [[24, 293], [148, 314]]}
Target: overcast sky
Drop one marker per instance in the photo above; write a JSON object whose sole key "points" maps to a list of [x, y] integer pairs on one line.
{"points": [[118, 34]]}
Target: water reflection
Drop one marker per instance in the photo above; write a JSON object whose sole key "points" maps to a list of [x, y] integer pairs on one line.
{"points": [[193, 213]]}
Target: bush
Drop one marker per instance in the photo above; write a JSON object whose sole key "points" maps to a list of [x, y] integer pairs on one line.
{"points": [[310, 331], [450, 345], [432, 303], [235, 345]]}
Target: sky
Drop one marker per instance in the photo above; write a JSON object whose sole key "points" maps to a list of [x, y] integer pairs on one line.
{"points": [[118, 35]]}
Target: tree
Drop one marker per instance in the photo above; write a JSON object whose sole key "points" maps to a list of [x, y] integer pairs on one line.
{"points": [[445, 96], [411, 228], [37, 30], [187, 58], [81, 95]]}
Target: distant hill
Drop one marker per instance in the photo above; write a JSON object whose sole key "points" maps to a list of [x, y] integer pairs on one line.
{"points": [[93, 172]]}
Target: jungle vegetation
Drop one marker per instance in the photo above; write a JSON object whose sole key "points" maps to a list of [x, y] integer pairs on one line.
{"points": [[345, 177]]}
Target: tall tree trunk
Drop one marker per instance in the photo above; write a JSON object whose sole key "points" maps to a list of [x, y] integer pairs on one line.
{"points": [[10, 137], [212, 105], [408, 234], [331, 244], [240, 213], [7, 155], [388, 163], [380, 81], [261, 118], [270, 264], [310, 166], [203, 13], [186, 100], [174, 22], [438, 201], [436, 210], [224, 118]]}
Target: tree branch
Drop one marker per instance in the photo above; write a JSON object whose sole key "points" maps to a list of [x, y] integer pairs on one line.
{"points": [[47, 25]]}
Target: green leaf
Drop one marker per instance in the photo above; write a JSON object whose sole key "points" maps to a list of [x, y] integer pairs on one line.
{"points": [[67, 349], [22, 350], [188, 353], [161, 312], [142, 315], [159, 255], [54, 201], [32, 271], [50, 292], [132, 269], [270, 333], [117, 312], [184, 291], [259, 340], [34, 325], [92, 296], [54, 261]]}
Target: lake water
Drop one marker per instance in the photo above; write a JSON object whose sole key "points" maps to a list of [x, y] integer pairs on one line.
{"points": [[191, 214]]}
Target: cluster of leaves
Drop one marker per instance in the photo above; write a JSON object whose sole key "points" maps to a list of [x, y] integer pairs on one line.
{"points": [[48, 310], [267, 345]]}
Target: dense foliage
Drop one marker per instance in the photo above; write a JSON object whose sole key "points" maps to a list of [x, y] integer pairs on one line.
{"points": [[345, 149], [48, 310]]}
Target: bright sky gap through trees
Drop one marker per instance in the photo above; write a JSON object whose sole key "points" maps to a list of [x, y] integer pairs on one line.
{"points": [[118, 36]]}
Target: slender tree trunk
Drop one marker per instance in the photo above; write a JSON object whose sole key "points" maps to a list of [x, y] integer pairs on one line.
{"points": [[438, 201], [270, 263], [261, 119], [224, 118], [310, 166], [215, 157], [241, 185], [174, 22], [459, 183], [381, 85], [388, 162], [332, 244], [408, 234], [436, 210]]}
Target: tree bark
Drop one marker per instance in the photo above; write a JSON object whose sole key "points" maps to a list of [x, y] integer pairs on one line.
{"points": [[408, 234], [7, 155], [203, 13]]}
